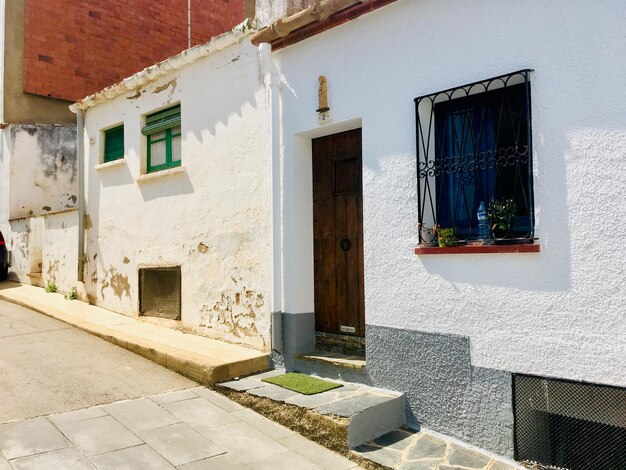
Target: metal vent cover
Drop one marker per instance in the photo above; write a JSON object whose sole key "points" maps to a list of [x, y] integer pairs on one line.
{"points": [[570, 425], [160, 292]]}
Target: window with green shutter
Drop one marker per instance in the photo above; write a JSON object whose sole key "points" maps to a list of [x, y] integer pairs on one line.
{"points": [[163, 134], [114, 144]]}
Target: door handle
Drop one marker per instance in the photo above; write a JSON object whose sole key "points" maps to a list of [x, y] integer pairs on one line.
{"points": [[345, 244]]}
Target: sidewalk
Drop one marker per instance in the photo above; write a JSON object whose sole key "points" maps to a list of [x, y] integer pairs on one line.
{"points": [[204, 360], [189, 429]]}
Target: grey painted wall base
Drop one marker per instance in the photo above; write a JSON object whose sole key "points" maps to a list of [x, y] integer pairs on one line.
{"points": [[292, 333], [444, 391]]}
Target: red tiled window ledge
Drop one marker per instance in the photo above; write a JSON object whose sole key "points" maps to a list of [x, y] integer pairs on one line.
{"points": [[476, 249]]}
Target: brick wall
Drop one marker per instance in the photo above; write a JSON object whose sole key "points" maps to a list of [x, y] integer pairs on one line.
{"points": [[75, 48]]}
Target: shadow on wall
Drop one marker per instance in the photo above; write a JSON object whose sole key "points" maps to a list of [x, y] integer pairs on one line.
{"points": [[444, 391]]}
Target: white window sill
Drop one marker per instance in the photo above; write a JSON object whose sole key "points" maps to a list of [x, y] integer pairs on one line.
{"points": [[160, 174], [114, 163]]}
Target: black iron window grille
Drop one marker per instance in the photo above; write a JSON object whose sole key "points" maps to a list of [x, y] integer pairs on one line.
{"points": [[474, 162], [560, 424]]}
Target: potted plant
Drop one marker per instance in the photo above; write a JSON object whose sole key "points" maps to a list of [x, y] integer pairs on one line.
{"points": [[502, 215], [445, 236], [428, 236]]}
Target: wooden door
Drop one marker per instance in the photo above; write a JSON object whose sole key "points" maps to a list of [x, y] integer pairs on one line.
{"points": [[338, 234]]}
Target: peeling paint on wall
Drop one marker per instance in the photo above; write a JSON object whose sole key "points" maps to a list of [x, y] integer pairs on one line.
{"points": [[116, 281], [234, 313]]}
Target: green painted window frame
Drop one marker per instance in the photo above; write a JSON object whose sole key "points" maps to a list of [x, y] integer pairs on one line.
{"points": [[113, 144], [162, 121]]}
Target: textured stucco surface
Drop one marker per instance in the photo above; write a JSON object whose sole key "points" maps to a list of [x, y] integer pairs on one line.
{"points": [[444, 392], [559, 313], [212, 218]]}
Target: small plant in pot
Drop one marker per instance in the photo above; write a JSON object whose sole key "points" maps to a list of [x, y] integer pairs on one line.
{"points": [[502, 215], [445, 236], [428, 236]]}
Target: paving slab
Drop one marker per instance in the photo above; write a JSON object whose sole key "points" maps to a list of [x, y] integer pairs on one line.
{"points": [[243, 440], [64, 458], [199, 412], [430, 447], [78, 415], [178, 395], [140, 414], [202, 359], [218, 399], [180, 444], [274, 392], [284, 461], [132, 458], [220, 462], [316, 453], [467, 458], [353, 405], [28, 437], [242, 385], [98, 435], [262, 424]]}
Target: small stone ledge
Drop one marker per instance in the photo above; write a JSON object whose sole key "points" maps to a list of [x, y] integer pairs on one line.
{"points": [[113, 164], [477, 249], [160, 174], [338, 360]]}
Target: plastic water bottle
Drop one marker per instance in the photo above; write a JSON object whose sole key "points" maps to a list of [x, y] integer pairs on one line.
{"points": [[483, 223]]}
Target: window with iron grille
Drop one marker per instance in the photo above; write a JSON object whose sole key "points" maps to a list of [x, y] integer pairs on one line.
{"points": [[113, 144], [163, 136], [474, 152]]}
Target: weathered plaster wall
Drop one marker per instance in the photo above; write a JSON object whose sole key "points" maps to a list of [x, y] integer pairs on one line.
{"points": [[559, 313], [212, 218], [59, 250], [43, 170]]}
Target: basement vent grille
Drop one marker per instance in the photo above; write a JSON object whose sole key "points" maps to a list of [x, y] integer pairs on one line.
{"points": [[159, 292], [570, 425]]}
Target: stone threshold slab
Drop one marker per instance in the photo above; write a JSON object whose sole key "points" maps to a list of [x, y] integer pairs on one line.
{"points": [[202, 359]]}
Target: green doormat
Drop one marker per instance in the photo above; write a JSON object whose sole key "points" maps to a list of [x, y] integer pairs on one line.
{"points": [[302, 383]]}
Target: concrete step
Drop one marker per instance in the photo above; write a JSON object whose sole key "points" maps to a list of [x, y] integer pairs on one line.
{"points": [[202, 359], [353, 413], [333, 366]]}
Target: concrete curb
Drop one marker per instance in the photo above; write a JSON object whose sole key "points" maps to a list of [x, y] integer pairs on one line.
{"points": [[206, 369]]}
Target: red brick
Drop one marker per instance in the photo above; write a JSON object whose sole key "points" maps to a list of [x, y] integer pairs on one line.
{"points": [[92, 43]]}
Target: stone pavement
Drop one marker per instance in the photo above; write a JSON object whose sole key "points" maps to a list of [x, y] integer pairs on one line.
{"points": [[189, 429], [409, 450], [400, 449]]}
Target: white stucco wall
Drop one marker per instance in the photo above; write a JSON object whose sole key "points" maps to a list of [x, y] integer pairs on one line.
{"points": [[559, 313], [212, 218]]}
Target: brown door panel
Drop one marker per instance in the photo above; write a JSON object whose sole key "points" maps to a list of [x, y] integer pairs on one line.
{"points": [[338, 233]]}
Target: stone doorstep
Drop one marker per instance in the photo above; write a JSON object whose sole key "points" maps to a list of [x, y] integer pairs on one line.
{"points": [[364, 412], [202, 359], [335, 359]]}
